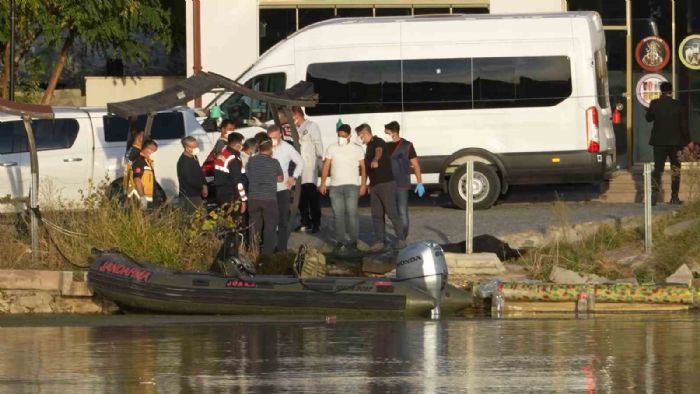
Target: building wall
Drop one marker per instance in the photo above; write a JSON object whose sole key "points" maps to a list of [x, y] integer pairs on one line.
{"points": [[102, 90], [529, 6]]}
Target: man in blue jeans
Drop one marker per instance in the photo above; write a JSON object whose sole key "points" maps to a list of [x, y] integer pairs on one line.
{"points": [[403, 161], [344, 160]]}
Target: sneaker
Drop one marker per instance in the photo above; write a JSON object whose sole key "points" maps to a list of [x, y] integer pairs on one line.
{"points": [[675, 201], [377, 247], [400, 244], [302, 229]]}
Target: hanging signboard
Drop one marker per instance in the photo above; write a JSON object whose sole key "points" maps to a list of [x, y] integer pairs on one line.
{"points": [[652, 54], [689, 52], [649, 88]]}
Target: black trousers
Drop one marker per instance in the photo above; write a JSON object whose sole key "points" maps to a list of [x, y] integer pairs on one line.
{"points": [[283, 220], [661, 153], [310, 205]]}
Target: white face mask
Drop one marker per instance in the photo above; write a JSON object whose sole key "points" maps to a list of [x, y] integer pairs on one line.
{"points": [[195, 151], [152, 156], [342, 141], [275, 142]]}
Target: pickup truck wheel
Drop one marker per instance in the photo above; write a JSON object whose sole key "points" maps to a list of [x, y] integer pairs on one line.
{"points": [[486, 186]]}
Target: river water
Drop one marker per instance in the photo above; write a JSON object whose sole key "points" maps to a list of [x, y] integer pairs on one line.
{"points": [[137, 353]]}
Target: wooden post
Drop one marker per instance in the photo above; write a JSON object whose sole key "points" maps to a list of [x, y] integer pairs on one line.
{"points": [[469, 246], [34, 191]]}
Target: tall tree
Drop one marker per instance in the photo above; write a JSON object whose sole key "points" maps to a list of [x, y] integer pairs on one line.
{"points": [[116, 28]]}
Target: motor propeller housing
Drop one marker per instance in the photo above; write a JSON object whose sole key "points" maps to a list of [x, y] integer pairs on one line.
{"points": [[423, 264]]}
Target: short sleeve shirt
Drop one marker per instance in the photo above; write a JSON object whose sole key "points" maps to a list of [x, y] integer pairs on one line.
{"points": [[345, 161], [382, 173], [262, 172]]}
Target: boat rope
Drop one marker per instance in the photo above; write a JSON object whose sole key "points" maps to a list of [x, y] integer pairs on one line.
{"points": [[53, 242]]}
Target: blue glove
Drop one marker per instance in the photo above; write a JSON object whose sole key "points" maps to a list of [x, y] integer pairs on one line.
{"points": [[420, 190]]}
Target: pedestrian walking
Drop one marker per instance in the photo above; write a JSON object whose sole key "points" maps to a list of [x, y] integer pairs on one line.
{"points": [[190, 178], [382, 188], [668, 137], [286, 155], [229, 178], [343, 161], [403, 161], [312, 153], [264, 173], [141, 183]]}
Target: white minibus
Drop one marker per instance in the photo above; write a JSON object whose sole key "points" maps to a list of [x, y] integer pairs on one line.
{"points": [[524, 96]]}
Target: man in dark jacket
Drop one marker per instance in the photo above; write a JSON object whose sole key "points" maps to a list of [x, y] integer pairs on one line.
{"points": [[190, 177], [668, 136], [229, 174]]}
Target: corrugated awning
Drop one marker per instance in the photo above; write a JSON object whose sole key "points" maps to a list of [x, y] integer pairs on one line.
{"points": [[31, 110], [195, 86]]}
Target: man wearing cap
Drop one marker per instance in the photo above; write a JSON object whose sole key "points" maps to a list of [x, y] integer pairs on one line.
{"points": [[344, 160], [403, 161], [382, 188]]}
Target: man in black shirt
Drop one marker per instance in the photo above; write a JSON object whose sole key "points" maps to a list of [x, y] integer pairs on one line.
{"points": [[382, 188], [229, 174], [190, 177]]}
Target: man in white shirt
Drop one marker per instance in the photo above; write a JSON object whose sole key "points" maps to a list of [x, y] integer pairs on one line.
{"points": [[344, 161], [285, 154], [312, 153]]}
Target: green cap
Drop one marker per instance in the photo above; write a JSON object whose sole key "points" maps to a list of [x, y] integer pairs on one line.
{"points": [[215, 112], [338, 124]]}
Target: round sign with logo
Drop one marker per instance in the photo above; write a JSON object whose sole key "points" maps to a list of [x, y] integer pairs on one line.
{"points": [[649, 88], [652, 54], [689, 52]]}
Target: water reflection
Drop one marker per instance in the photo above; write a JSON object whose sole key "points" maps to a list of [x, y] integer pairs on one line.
{"points": [[605, 354]]}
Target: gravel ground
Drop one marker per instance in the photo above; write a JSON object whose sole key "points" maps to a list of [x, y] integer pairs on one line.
{"points": [[435, 218]]}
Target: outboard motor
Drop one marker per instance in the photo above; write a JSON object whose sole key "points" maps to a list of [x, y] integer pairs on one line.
{"points": [[423, 265]]}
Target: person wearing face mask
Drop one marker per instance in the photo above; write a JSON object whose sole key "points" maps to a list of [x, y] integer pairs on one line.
{"points": [[229, 174], [312, 153], [190, 177], [250, 146], [133, 151], [227, 127], [142, 180], [286, 155], [382, 188], [403, 161], [343, 162]]}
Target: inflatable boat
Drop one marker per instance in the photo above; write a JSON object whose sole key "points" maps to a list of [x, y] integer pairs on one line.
{"points": [[420, 289]]}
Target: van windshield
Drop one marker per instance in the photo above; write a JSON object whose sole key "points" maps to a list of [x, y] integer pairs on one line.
{"points": [[601, 79], [241, 108]]}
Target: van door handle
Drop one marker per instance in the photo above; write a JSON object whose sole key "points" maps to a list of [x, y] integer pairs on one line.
{"points": [[73, 159], [8, 164]]}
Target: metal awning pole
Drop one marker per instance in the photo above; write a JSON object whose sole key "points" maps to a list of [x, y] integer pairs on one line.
{"points": [[149, 125], [34, 191]]}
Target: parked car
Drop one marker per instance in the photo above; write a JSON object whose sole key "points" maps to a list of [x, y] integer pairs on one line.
{"points": [[524, 96], [81, 145]]}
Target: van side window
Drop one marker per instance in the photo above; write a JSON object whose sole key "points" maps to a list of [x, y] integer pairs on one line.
{"points": [[521, 81], [356, 87], [166, 126], [240, 108], [437, 84], [601, 79], [49, 134]]}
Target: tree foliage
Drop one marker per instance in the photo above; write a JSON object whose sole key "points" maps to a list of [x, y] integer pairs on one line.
{"points": [[123, 29]]}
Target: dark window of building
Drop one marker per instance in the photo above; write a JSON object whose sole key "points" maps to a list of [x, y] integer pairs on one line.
{"points": [[392, 11], [461, 10], [611, 11], [49, 134], [356, 87], [430, 11], [166, 126], [437, 84], [309, 16], [353, 12], [521, 82], [275, 26]]}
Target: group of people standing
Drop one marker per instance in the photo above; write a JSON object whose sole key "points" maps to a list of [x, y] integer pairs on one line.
{"points": [[256, 176]]}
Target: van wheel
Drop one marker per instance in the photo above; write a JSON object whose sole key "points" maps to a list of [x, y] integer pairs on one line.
{"points": [[486, 186]]}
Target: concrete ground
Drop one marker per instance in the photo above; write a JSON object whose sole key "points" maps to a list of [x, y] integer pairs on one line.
{"points": [[435, 218]]}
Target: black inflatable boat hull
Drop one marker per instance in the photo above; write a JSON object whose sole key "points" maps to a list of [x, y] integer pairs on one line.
{"points": [[144, 287]]}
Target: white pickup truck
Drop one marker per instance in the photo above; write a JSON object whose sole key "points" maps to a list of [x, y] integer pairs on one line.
{"points": [[84, 144]]}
